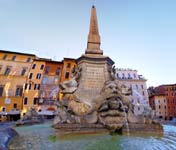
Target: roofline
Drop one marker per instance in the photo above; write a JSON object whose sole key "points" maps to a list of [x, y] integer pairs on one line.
{"points": [[19, 53], [157, 95], [47, 60], [66, 58], [167, 85]]}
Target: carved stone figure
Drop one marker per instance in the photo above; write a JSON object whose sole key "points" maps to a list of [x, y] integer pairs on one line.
{"points": [[111, 107], [71, 85], [31, 117]]}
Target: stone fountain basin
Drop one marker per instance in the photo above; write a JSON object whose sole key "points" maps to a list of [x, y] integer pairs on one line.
{"points": [[134, 128], [44, 137], [6, 135]]}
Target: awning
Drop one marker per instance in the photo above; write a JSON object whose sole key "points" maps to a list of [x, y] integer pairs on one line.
{"points": [[51, 109], [3, 113], [46, 112], [14, 112]]}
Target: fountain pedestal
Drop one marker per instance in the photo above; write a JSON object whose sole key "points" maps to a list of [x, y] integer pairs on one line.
{"points": [[95, 72]]}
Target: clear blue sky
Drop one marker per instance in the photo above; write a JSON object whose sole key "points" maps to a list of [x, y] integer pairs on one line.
{"points": [[136, 34]]}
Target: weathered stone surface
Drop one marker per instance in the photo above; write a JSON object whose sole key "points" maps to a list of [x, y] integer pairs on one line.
{"points": [[132, 118], [104, 107], [141, 128], [5, 136], [69, 86], [112, 113], [31, 117], [81, 128], [92, 118], [78, 108]]}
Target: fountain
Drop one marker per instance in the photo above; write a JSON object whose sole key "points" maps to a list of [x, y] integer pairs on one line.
{"points": [[94, 99], [110, 109]]}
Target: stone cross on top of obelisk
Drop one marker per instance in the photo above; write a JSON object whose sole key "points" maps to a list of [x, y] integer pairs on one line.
{"points": [[93, 43]]}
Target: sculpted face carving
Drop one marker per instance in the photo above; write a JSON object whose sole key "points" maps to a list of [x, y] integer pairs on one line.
{"points": [[111, 89], [110, 107], [114, 89]]}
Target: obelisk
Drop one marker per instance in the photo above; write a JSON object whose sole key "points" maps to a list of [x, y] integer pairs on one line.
{"points": [[93, 63]]}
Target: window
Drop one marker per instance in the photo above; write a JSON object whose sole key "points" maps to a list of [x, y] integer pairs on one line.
{"points": [[15, 105], [36, 86], [14, 57], [68, 65], [25, 101], [19, 91], [7, 71], [41, 67], [143, 93], [129, 76], [67, 75], [47, 69], [3, 109], [27, 86], [134, 75], [28, 59], [138, 100], [4, 57], [142, 86], [1, 90], [0, 68], [58, 71], [35, 101], [42, 94], [123, 76], [33, 66], [23, 72], [136, 86], [38, 76], [30, 75], [56, 81], [44, 80], [159, 107]]}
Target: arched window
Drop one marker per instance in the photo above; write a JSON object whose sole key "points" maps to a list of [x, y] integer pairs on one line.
{"points": [[3, 109]]}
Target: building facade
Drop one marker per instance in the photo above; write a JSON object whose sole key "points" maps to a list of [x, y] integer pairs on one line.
{"points": [[68, 65], [158, 103], [170, 92], [28, 81], [169, 104], [32, 85], [137, 83], [14, 69], [49, 89]]}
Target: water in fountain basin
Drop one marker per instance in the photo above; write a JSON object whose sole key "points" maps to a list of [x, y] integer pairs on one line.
{"points": [[40, 137]]}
